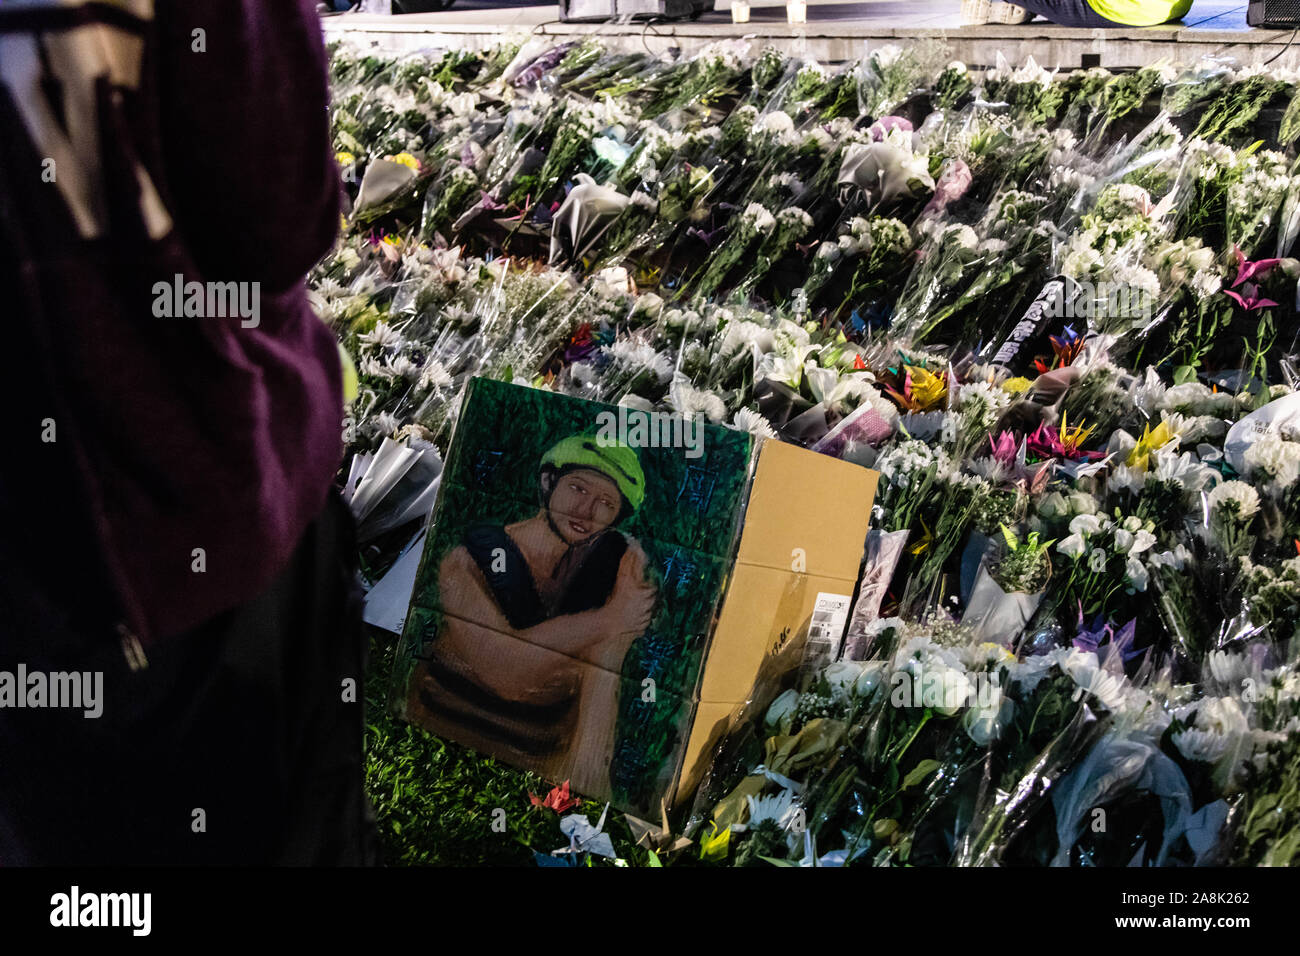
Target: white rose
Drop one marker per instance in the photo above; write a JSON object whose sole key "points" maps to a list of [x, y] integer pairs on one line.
{"points": [[1073, 546], [1136, 573], [1085, 524], [781, 713], [983, 723], [843, 675]]}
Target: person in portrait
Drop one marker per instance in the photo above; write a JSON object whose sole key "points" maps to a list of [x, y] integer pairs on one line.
{"points": [[538, 616]]}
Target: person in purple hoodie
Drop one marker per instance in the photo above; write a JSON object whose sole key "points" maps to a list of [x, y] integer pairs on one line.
{"points": [[174, 411]]}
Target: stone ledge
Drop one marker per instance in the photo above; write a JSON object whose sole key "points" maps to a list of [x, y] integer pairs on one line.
{"points": [[835, 40]]}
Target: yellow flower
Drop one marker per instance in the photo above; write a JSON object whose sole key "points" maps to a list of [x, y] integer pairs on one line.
{"points": [[1151, 440], [1016, 385], [923, 545], [351, 387], [717, 845], [407, 160], [926, 389], [1072, 438], [344, 158]]}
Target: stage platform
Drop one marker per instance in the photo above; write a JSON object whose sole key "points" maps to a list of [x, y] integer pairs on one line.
{"points": [[838, 31]]}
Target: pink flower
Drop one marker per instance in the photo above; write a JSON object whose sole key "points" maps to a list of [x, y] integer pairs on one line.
{"points": [[1003, 448], [952, 185], [1251, 300], [1045, 443], [887, 124], [1249, 270]]}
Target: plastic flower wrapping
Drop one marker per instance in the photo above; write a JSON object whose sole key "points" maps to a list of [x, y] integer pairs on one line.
{"points": [[1056, 312]]}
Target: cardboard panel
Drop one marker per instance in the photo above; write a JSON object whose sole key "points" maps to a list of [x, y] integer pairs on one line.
{"points": [[766, 613], [543, 711], [505, 579], [527, 640], [807, 506], [711, 722], [687, 586], [504, 430]]}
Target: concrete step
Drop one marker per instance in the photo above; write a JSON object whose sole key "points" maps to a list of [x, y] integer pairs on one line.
{"points": [[838, 31]]}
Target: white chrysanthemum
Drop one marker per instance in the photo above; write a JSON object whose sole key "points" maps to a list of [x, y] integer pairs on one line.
{"points": [[795, 218], [385, 423], [883, 406], [456, 314], [852, 391], [757, 217], [778, 808], [983, 394], [371, 367], [690, 402], [1217, 728], [1190, 398], [748, 420], [1228, 667], [434, 375], [924, 426], [961, 235], [403, 367], [1274, 460], [1090, 677], [745, 335], [936, 677], [634, 355], [1241, 499], [382, 335], [776, 122], [1182, 469]]}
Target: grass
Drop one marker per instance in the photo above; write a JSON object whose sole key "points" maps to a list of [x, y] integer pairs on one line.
{"points": [[435, 800]]}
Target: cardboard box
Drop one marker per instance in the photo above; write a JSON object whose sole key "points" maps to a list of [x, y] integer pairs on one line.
{"points": [[595, 605]]}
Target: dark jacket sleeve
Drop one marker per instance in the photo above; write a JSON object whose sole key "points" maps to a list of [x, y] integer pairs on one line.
{"points": [[245, 136]]}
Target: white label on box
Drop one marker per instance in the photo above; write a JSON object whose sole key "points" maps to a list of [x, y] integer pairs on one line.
{"points": [[830, 614]]}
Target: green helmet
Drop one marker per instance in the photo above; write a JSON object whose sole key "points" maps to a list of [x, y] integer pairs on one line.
{"points": [[616, 462]]}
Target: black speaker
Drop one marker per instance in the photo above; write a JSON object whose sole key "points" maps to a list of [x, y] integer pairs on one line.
{"points": [[1278, 14]]}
